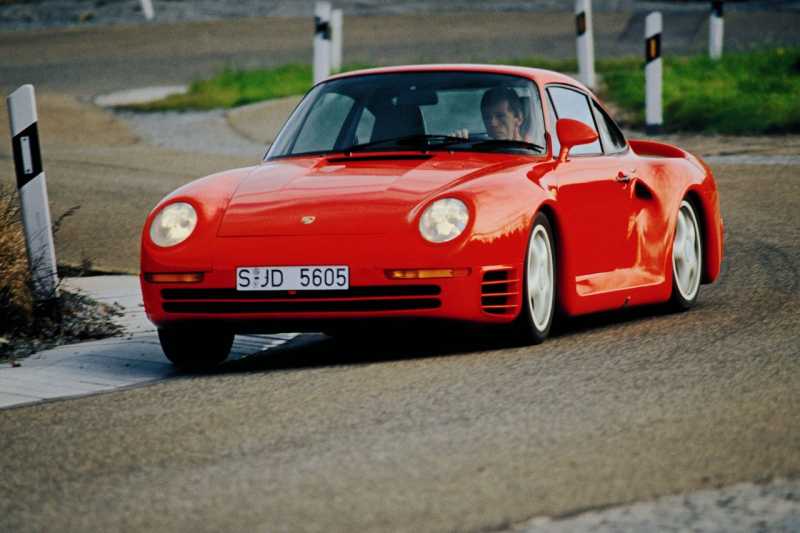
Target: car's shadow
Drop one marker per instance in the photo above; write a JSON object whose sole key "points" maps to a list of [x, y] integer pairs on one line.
{"points": [[409, 341]]}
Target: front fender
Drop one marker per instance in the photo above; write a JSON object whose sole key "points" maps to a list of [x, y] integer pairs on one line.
{"points": [[505, 204], [705, 195], [209, 196]]}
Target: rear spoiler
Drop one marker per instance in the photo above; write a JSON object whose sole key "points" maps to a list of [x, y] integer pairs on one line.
{"points": [[656, 149]]}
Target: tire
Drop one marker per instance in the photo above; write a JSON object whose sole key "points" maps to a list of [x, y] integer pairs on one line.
{"points": [[195, 348], [539, 288], [687, 258]]}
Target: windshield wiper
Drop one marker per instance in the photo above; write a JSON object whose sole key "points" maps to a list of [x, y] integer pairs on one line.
{"points": [[421, 140], [507, 143]]}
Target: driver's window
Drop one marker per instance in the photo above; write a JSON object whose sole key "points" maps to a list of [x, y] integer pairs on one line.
{"points": [[365, 126], [323, 124], [454, 110], [575, 105]]}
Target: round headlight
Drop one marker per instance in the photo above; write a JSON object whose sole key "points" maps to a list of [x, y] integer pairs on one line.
{"points": [[444, 220], [173, 224]]}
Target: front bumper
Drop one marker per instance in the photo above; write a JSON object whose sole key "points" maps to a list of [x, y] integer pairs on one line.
{"points": [[488, 294]]}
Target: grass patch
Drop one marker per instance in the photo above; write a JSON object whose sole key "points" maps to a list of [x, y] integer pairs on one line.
{"points": [[234, 87], [748, 93], [571, 65], [744, 93]]}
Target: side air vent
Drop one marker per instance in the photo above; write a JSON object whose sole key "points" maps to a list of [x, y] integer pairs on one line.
{"points": [[500, 289], [360, 298]]}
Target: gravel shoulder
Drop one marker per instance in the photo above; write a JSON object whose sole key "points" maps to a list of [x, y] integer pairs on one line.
{"points": [[742, 508]]}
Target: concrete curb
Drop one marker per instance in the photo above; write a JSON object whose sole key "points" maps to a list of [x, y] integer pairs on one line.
{"points": [[105, 365]]}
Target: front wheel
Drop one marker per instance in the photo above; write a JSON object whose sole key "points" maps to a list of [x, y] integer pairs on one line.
{"points": [[195, 348], [687, 258], [539, 290]]}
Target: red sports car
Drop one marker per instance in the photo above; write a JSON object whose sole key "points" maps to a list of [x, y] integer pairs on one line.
{"points": [[478, 193]]}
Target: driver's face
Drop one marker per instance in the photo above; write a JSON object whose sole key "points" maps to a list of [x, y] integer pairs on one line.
{"points": [[501, 122]]}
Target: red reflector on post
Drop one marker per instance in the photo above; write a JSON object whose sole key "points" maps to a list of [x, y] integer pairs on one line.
{"points": [[174, 277], [427, 273]]}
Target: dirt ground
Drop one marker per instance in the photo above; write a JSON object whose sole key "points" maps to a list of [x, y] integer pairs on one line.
{"points": [[93, 161]]}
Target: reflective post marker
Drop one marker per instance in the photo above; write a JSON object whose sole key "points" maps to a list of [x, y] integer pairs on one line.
{"points": [[336, 40], [584, 36], [653, 73], [32, 188], [716, 27], [322, 41], [147, 9]]}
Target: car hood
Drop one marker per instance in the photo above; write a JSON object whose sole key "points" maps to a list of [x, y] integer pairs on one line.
{"points": [[348, 195]]}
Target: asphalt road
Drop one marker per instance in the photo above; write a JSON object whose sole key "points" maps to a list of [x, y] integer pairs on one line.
{"points": [[423, 430], [446, 431]]}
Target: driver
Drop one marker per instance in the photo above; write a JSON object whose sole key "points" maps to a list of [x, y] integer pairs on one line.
{"points": [[503, 115]]}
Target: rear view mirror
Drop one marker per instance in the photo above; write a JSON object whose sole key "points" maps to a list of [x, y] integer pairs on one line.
{"points": [[572, 133], [403, 97], [412, 96]]}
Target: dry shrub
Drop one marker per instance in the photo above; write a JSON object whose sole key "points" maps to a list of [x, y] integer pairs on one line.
{"points": [[16, 302], [25, 326]]}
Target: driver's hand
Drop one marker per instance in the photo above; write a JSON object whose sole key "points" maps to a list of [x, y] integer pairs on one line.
{"points": [[463, 133]]}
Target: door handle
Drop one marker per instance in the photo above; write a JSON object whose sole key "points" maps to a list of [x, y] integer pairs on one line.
{"points": [[623, 177]]}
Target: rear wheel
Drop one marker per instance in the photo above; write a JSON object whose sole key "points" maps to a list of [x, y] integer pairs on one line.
{"points": [[195, 348], [687, 258], [539, 290]]}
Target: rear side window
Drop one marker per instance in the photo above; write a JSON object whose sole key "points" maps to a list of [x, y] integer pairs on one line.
{"points": [[613, 139], [575, 105], [553, 137]]}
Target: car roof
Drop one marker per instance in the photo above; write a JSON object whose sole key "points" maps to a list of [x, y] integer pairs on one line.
{"points": [[541, 76]]}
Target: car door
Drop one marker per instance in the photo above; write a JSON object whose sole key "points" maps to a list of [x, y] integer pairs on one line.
{"points": [[594, 200]]}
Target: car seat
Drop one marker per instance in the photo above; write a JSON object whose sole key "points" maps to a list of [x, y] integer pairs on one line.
{"points": [[392, 121]]}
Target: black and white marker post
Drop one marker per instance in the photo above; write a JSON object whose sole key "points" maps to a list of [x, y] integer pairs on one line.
{"points": [[337, 21], [716, 28], [584, 36], [653, 73], [322, 41], [32, 188], [147, 9]]}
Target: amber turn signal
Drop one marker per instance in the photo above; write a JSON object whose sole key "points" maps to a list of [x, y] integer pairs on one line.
{"points": [[427, 273], [174, 277]]}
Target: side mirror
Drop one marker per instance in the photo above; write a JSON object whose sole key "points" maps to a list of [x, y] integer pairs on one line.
{"points": [[572, 133]]}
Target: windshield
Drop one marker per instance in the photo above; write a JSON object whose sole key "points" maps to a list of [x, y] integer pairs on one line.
{"points": [[416, 111]]}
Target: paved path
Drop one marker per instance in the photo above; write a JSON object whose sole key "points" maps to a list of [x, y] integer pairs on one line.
{"points": [[132, 359]]}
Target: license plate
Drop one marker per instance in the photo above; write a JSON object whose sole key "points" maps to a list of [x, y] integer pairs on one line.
{"points": [[293, 278]]}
